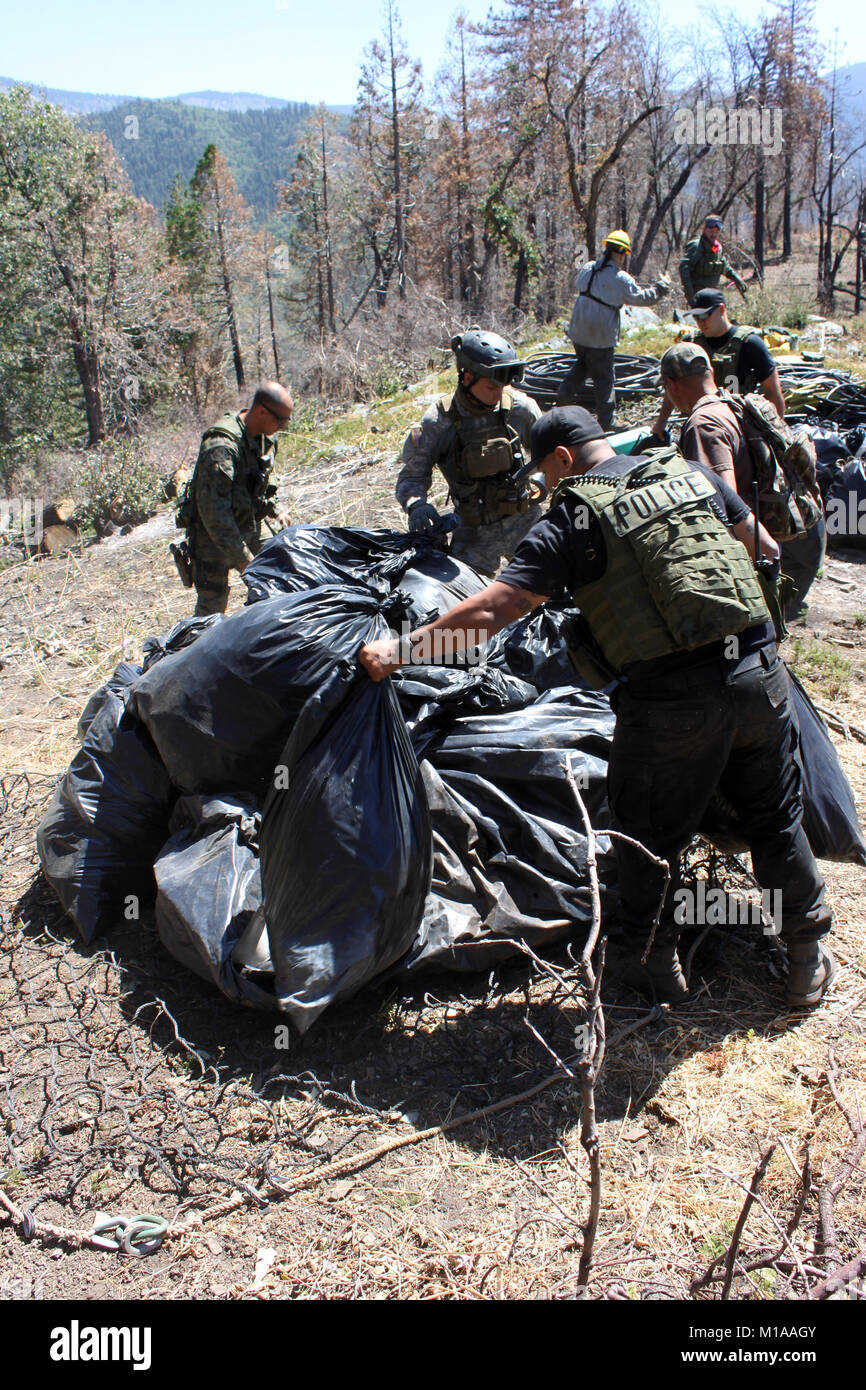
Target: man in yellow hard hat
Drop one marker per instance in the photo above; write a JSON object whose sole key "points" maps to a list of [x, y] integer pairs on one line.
{"points": [[603, 286]]}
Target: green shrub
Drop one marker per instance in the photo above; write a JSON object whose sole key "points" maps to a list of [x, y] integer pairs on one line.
{"points": [[118, 484], [788, 309]]}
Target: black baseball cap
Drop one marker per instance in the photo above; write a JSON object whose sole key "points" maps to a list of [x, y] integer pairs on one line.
{"points": [[564, 424], [704, 302]]}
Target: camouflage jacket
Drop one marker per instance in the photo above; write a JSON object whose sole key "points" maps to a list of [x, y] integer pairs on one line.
{"points": [[229, 492], [701, 268], [435, 439]]}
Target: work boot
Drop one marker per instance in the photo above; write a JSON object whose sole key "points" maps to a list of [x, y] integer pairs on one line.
{"points": [[811, 968], [662, 978]]}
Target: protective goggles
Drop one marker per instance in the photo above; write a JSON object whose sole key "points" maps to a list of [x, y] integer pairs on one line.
{"points": [[504, 374]]}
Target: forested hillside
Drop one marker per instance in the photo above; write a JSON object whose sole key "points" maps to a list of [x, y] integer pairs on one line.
{"points": [[157, 140]]}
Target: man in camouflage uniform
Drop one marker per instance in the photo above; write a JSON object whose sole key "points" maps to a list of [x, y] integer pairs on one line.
{"points": [[477, 437], [704, 263], [229, 494]]}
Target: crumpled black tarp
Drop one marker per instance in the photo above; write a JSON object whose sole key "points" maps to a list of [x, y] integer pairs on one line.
{"points": [[509, 846], [106, 821]]}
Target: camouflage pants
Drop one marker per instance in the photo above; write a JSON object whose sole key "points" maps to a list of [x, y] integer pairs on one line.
{"points": [[486, 547], [210, 574]]}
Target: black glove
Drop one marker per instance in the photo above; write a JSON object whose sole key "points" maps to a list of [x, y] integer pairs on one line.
{"points": [[771, 569], [424, 520], [649, 441]]}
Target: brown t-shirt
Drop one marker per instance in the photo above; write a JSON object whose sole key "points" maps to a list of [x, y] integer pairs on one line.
{"points": [[712, 436]]}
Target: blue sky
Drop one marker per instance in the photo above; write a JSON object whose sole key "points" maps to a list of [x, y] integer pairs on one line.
{"points": [[286, 48]]}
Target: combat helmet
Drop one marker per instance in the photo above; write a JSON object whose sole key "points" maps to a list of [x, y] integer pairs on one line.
{"points": [[486, 354]]}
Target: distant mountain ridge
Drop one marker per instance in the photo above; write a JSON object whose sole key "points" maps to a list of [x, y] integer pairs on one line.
{"points": [[157, 140], [87, 103]]}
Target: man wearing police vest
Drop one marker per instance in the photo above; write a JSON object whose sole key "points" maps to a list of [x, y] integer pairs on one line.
{"points": [[657, 554]]}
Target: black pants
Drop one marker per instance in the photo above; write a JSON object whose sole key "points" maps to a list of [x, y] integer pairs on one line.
{"points": [[677, 738], [596, 363]]}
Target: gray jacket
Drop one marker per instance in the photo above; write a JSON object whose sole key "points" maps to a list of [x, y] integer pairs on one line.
{"points": [[601, 294], [435, 437]]}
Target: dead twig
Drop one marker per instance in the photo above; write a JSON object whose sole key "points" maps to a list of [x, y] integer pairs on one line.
{"points": [[849, 1161], [841, 725], [854, 1269], [731, 1257]]}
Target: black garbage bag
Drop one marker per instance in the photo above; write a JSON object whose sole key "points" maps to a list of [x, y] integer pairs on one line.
{"points": [[509, 845], [309, 557], [124, 674], [209, 901], [313, 557], [220, 711], [433, 698], [845, 505], [829, 813], [182, 635], [106, 821], [345, 845], [435, 582], [534, 650]]}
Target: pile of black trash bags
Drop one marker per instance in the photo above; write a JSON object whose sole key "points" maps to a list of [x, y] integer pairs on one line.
{"points": [[303, 830], [842, 480]]}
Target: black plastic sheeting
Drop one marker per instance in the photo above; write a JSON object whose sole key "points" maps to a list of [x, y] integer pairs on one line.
{"points": [[845, 505], [312, 557], [426, 821], [346, 845], [829, 813], [210, 895]]}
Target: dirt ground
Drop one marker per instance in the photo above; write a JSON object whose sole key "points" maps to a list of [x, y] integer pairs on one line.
{"points": [[130, 1086]]}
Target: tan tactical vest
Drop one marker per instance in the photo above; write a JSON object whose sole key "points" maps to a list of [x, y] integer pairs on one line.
{"points": [[480, 467]]}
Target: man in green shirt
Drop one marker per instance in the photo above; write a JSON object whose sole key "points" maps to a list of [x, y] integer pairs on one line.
{"points": [[230, 494], [704, 263]]}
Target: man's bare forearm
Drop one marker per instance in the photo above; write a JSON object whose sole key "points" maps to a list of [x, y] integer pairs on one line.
{"points": [[470, 623]]}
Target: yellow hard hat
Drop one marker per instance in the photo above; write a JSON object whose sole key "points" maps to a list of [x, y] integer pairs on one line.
{"points": [[618, 240]]}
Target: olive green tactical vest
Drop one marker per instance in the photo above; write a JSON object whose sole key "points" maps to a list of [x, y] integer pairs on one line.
{"points": [[726, 360], [479, 468], [707, 267], [676, 578]]}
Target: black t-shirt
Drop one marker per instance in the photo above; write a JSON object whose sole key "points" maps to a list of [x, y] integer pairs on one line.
{"points": [[754, 356], [566, 549]]}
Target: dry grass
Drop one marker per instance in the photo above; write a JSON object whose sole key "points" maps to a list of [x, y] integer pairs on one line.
{"points": [[687, 1102]]}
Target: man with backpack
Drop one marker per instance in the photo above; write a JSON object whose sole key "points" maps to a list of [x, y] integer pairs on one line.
{"points": [[743, 440]]}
